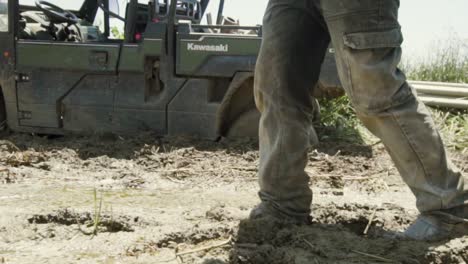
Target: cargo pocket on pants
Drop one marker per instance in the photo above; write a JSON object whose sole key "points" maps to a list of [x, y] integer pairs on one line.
{"points": [[374, 40], [372, 59]]}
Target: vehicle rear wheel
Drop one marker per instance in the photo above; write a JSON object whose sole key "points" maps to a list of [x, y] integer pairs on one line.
{"points": [[247, 124]]}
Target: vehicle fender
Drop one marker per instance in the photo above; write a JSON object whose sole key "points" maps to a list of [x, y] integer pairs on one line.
{"points": [[329, 85]]}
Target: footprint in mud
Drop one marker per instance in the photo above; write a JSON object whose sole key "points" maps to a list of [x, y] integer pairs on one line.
{"points": [[106, 223], [264, 241], [356, 218], [336, 236], [222, 213], [178, 241]]}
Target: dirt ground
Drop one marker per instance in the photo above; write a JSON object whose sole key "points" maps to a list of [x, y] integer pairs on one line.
{"points": [[181, 200]]}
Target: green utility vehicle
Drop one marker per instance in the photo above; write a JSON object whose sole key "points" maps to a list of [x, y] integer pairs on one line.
{"points": [[62, 73]]}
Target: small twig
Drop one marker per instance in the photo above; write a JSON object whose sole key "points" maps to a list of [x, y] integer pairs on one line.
{"points": [[247, 245], [373, 256], [308, 243], [205, 248], [206, 170], [386, 185], [360, 178], [322, 175], [348, 178], [371, 219], [174, 180]]}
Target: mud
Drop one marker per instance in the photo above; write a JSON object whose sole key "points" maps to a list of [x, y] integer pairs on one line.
{"points": [[104, 223], [185, 200]]}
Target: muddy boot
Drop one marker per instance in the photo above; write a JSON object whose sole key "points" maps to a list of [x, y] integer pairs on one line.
{"points": [[265, 210], [436, 226]]}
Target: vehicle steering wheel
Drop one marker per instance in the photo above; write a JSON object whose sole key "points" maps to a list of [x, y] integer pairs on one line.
{"points": [[57, 14]]}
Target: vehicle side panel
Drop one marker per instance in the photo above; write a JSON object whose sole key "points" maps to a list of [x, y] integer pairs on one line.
{"points": [[235, 52], [88, 106], [133, 55], [68, 56], [192, 112], [142, 94], [58, 80]]}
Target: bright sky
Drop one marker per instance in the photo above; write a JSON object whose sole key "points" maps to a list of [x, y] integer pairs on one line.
{"points": [[426, 24]]}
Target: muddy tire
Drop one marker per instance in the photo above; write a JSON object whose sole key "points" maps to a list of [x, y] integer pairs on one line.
{"points": [[247, 124], [316, 114]]}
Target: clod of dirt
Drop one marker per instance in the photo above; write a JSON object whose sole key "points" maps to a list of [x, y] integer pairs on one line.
{"points": [[62, 217], [7, 177], [173, 240], [221, 214], [26, 158], [336, 237], [264, 254], [8, 146], [130, 180], [196, 236], [66, 217], [355, 217], [259, 231], [445, 254]]}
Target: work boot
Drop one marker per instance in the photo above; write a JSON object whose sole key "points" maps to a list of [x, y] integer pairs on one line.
{"points": [[266, 210], [439, 225]]}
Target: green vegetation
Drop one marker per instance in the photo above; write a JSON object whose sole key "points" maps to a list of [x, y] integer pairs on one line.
{"points": [[96, 219], [449, 64], [338, 121], [446, 65]]}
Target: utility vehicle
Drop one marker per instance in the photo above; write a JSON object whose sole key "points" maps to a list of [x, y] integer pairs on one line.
{"points": [[62, 72]]}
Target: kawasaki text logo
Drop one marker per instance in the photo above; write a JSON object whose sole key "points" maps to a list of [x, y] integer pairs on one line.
{"points": [[216, 48]]}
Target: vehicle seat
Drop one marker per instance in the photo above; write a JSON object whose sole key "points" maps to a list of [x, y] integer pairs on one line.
{"points": [[34, 31], [131, 14]]}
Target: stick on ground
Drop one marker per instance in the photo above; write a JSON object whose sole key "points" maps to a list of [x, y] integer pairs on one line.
{"points": [[371, 219], [373, 256], [205, 248]]}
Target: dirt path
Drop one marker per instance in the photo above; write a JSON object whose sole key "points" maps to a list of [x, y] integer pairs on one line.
{"points": [[163, 197]]}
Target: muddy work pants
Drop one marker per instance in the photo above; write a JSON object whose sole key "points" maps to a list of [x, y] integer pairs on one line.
{"points": [[366, 36]]}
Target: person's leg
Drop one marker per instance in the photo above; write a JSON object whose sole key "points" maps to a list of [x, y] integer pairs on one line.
{"points": [[293, 49], [367, 39]]}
